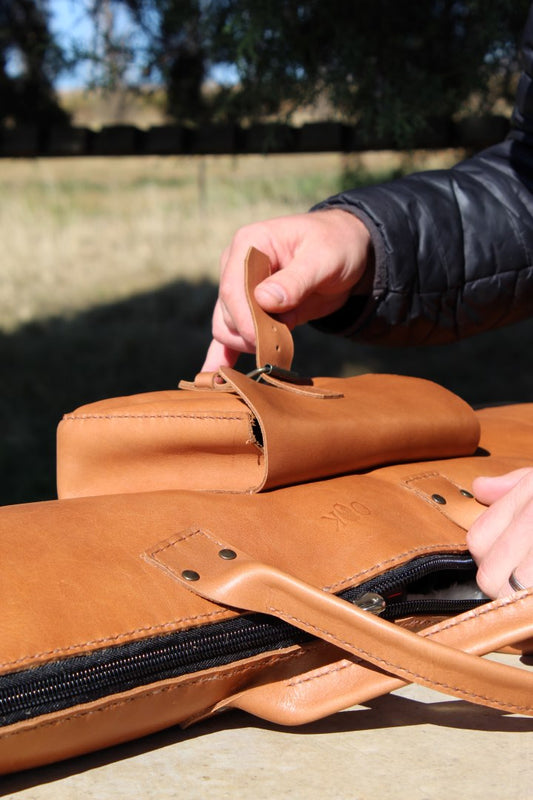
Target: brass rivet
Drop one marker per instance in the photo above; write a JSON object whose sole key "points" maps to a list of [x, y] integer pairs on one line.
{"points": [[438, 498], [227, 555], [466, 493], [190, 575]]}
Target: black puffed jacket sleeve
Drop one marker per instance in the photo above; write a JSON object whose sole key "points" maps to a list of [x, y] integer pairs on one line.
{"points": [[453, 248]]}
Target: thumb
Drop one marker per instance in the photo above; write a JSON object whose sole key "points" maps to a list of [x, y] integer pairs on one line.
{"points": [[287, 288]]}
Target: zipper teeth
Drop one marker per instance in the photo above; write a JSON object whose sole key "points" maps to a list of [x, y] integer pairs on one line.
{"points": [[191, 651], [436, 607], [415, 571], [50, 690], [120, 672]]}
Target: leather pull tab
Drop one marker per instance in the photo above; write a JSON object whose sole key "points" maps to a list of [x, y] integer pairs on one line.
{"points": [[274, 344], [206, 381]]}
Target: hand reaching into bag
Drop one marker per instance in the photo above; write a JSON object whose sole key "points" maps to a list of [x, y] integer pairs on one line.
{"points": [[317, 259], [501, 539]]}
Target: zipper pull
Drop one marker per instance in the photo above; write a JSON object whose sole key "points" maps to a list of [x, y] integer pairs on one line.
{"points": [[372, 602]]}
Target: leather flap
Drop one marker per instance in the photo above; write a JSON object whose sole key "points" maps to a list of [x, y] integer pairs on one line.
{"points": [[258, 436], [369, 420]]}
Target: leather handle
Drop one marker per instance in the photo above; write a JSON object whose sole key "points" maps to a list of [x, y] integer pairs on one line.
{"points": [[319, 681], [230, 577]]}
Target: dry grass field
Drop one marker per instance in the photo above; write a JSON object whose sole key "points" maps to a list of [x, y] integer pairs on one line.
{"points": [[81, 232], [109, 270]]}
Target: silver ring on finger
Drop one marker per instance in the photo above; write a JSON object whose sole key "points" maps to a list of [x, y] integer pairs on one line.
{"points": [[515, 584]]}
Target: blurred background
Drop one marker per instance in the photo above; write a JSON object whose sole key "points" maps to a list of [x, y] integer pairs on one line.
{"points": [[109, 262]]}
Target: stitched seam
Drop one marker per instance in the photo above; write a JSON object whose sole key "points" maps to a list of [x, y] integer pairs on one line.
{"points": [[410, 483], [321, 674], [151, 693], [127, 634], [449, 624], [376, 567], [166, 545], [491, 608], [421, 476], [80, 417], [415, 676], [113, 639], [171, 624]]}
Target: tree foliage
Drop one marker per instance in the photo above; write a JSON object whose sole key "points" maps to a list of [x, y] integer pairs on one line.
{"points": [[390, 65], [29, 63]]}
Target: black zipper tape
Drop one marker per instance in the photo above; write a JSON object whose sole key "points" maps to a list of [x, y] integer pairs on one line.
{"points": [[63, 683]]}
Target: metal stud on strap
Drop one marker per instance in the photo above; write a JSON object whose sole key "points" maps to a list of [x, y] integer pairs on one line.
{"points": [[280, 373]]}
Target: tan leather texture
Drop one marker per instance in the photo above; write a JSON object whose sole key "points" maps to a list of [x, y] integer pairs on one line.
{"points": [[192, 514], [86, 575], [258, 436], [244, 435]]}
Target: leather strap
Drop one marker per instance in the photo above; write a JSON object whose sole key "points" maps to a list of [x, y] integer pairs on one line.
{"points": [[273, 338], [232, 578], [274, 343]]}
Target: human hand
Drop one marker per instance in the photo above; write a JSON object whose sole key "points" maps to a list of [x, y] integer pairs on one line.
{"points": [[317, 258], [501, 539]]}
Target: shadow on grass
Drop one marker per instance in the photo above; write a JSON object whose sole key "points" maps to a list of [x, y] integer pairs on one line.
{"points": [[150, 341]]}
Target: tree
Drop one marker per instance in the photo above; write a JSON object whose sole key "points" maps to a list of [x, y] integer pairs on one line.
{"points": [[176, 50], [390, 65], [29, 63]]}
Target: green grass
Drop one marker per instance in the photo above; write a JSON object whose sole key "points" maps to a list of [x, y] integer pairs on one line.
{"points": [[109, 279]]}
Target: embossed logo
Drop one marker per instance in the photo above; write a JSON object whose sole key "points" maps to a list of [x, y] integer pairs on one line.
{"points": [[343, 513]]}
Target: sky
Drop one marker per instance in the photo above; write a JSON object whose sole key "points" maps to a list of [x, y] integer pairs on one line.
{"points": [[69, 23]]}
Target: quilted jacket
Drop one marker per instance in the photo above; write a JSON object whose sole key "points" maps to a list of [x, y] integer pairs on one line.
{"points": [[453, 248]]}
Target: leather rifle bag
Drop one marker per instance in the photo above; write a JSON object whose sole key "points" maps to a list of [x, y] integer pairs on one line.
{"points": [[130, 611]]}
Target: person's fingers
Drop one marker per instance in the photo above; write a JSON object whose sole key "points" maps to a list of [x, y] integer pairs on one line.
{"points": [[488, 489], [218, 355], [232, 317], [227, 343], [522, 574], [271, 294], [311, 289], [512, 553], [501, 539], [504, 503], [316, 260]]}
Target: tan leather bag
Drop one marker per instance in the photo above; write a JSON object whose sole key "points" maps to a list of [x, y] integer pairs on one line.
{"points": [[122, 613], [241, 435]]}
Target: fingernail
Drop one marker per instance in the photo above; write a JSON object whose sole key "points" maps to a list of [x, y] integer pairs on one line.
{"points": [[272, 291]]}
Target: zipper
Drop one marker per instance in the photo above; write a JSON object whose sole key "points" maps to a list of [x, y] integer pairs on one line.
{"points": [[396, 586], [81, 679]]}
